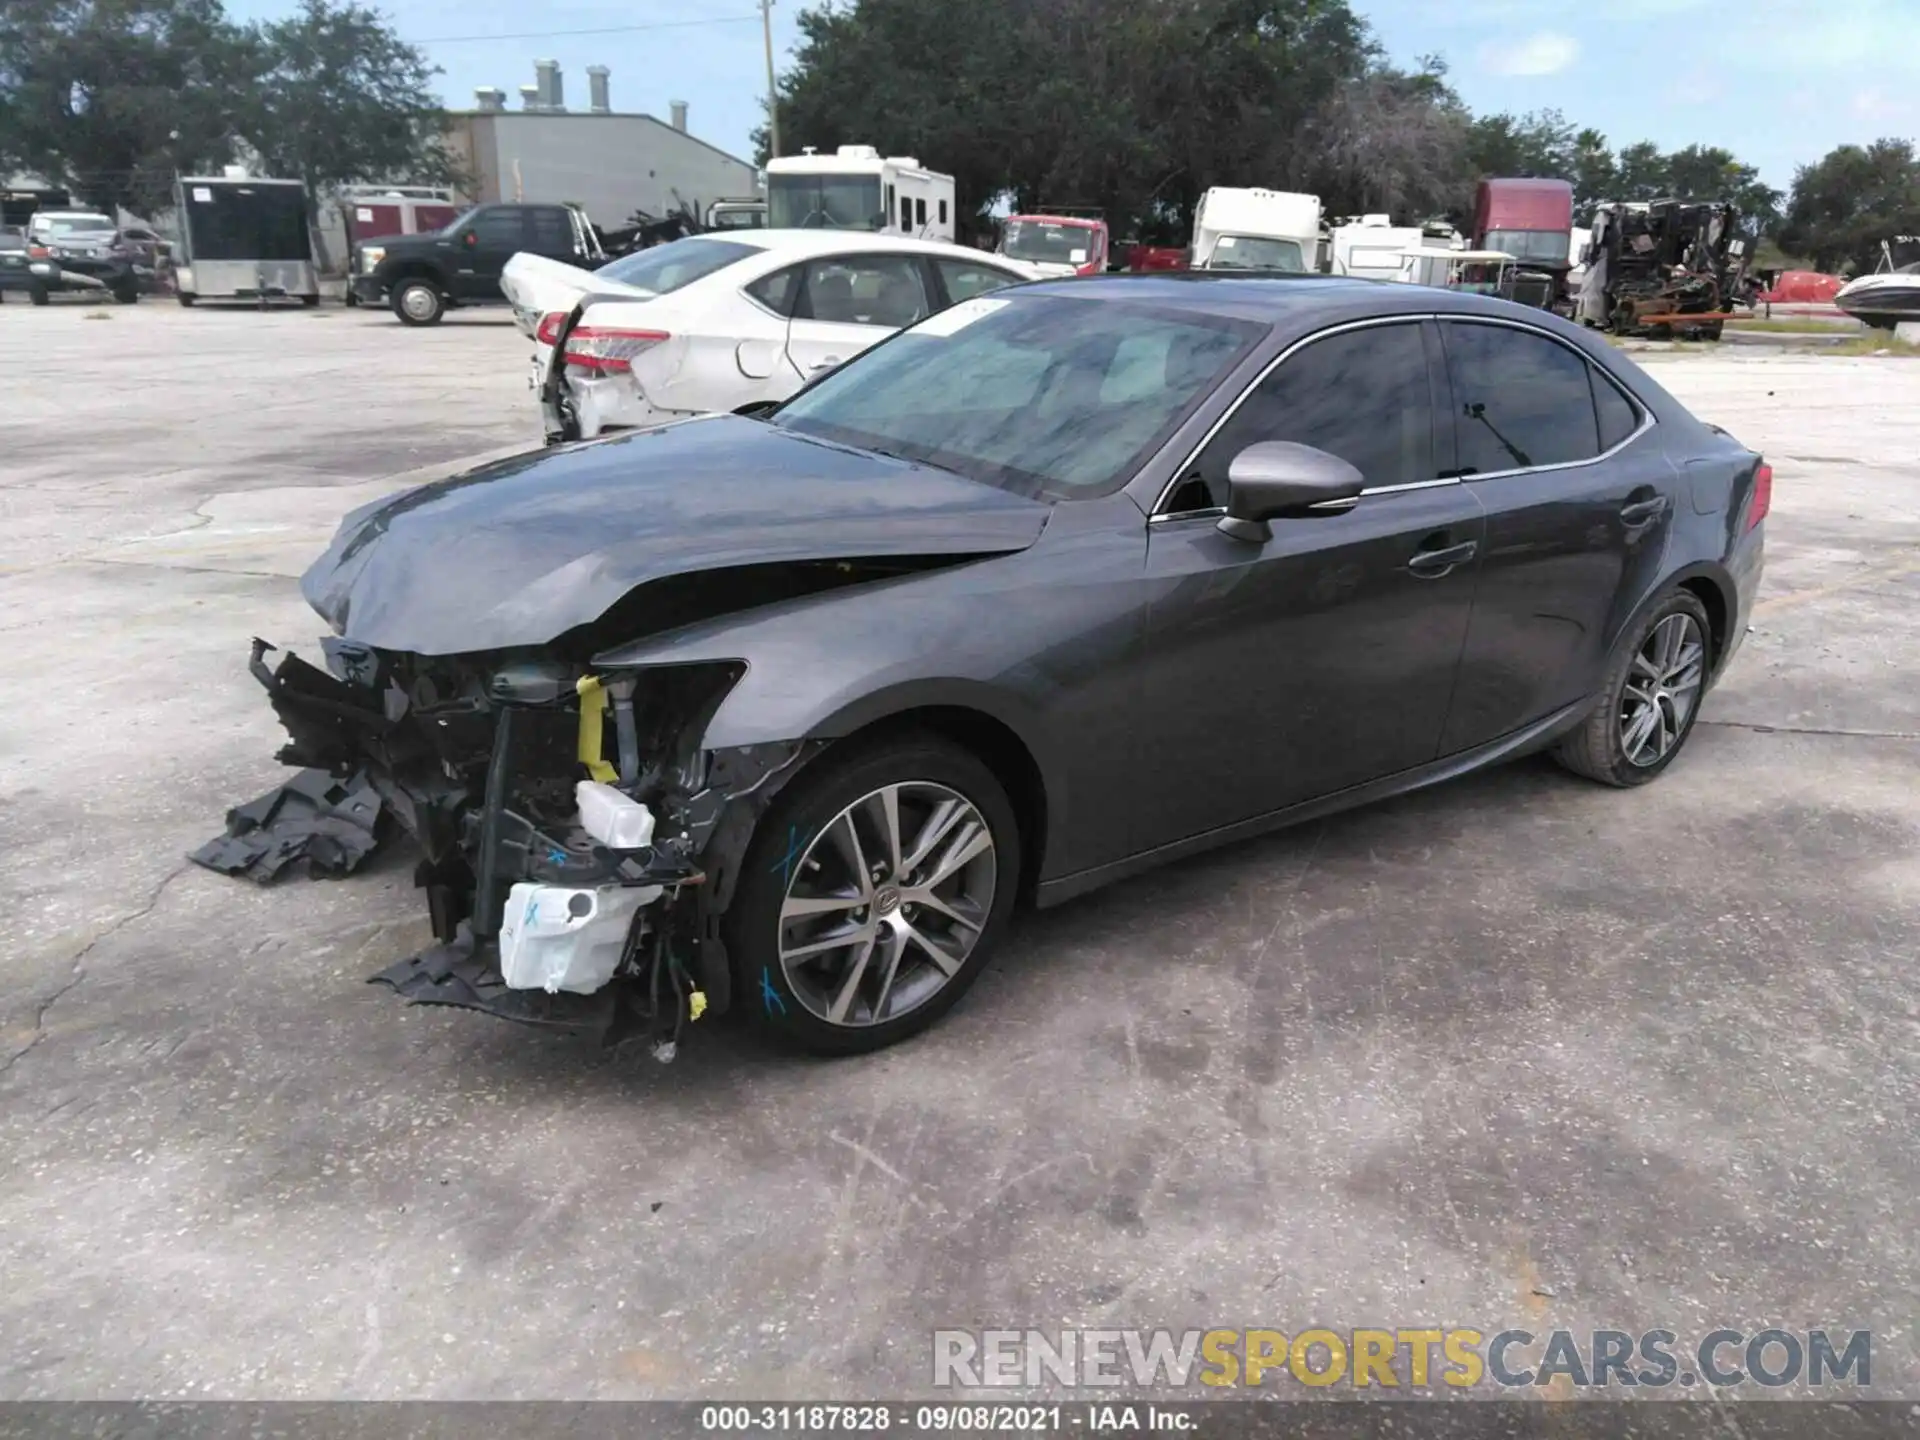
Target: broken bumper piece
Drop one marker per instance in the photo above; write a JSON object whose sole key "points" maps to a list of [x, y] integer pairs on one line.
{"points": [[328, 826], [465, 973]]}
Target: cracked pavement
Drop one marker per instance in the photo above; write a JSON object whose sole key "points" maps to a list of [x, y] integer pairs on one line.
{"points": [[1517, 1050]]}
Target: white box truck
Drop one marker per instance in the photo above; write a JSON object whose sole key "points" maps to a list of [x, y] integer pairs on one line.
{"points": [[856, 188], [1252, 229]]}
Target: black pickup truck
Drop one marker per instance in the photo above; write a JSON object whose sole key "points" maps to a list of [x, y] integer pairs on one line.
{"points": [[423, 276]]}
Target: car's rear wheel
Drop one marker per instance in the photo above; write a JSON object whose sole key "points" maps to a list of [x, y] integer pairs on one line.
{"points": [[38, 295], [873, 891], [186, 297], [1653, 691], [127, 292], [418, 302]]}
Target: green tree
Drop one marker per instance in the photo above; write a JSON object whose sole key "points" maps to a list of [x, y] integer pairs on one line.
{"points": [[113, 97], [1701, 172], [342, 99], [1847, 203], [1540, 144]]}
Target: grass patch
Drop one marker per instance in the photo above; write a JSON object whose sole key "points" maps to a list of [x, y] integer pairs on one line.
{"points": [[1795, 325], [1874, 342]]}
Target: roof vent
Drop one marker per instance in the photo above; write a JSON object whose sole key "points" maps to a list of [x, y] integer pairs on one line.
{"points": [[552, 96], [857, 152], [490, 97], [530, 98], [597, 100], [678, 110]]}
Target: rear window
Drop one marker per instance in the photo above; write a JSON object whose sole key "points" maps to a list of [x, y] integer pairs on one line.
{"points": [[666, 268]]}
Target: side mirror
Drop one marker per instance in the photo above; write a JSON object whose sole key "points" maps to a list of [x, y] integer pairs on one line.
{"points": [[1277, 478], [469, 239]]}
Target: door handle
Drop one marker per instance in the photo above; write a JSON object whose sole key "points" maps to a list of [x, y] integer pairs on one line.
{"points": [[1640, 512], [1432, 564]]}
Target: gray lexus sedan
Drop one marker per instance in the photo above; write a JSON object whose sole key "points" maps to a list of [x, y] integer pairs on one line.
{"points": [[783, 713]]}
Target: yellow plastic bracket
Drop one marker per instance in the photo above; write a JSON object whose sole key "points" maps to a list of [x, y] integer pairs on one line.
{"points": [[696, 1004], [591, 748]]}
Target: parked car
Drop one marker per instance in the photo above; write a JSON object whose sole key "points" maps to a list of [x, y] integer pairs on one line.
{"points": [[423, 276], [711, 323], [14, 274], [1066, 581], [79, 250]]}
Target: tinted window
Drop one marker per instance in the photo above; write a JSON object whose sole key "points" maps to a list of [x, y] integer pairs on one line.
{"points": [[552, 232], [906, 213], [499, 227], [865, 290], [1036, 394], [920, 212], [778, 291], [667, 267], [1363, 395], [943, 212], [964, 279], [1520, 400], [1618, 417]]}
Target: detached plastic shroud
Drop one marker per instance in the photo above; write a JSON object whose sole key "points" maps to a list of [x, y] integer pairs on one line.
{"points": [[343, 726]]}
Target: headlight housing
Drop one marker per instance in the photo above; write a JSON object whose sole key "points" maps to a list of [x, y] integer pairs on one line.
{"points": [[370, 258]]}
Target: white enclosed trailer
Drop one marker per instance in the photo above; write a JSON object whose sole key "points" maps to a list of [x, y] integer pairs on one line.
{"points": [[857, 188]]}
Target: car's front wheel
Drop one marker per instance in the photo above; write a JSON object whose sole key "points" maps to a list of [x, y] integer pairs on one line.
{"points": [[38, 295], [1652, 697], [418, 302], [874, 889]]}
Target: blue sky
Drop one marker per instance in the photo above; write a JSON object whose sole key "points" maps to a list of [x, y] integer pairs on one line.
{"points": [[1778, 82]]}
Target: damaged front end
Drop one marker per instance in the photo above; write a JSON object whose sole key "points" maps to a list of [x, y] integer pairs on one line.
{"points": [[578, 842]]}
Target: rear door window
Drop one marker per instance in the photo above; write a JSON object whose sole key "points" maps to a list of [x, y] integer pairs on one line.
{"points": [[884, 290], [1619, 416], [778, 291], [552, 232], [965, 279], [1520, 399]]}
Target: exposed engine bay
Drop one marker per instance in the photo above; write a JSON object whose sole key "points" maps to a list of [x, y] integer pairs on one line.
{"points": [[1665, 268], [577, 842]]}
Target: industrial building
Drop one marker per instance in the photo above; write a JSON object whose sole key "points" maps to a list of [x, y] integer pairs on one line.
{"points": [[610, 163]]}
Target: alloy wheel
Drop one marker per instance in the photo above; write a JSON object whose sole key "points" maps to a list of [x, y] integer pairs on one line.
{"points": [[886, 903], [1662, 688]]}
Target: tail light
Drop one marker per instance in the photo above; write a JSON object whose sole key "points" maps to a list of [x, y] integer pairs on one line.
{"points": [[604, 350], [1762, 498], [39, 252], [548, 332]]}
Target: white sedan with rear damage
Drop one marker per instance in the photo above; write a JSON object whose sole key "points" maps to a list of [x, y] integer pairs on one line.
{"points": [[713, 323]]}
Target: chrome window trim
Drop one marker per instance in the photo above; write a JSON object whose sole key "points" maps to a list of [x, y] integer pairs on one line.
{"points": [[1180, 471]]}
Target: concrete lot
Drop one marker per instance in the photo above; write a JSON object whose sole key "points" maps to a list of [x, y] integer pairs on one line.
{"points": [[1519, 1050]]}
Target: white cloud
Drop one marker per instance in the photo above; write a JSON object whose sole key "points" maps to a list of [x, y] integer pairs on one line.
{"points": [[1544, 53]]}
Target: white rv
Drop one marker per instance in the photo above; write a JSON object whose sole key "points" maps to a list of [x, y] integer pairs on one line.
{"points": [[856, 188], [1373, 247], [1241, 229]]}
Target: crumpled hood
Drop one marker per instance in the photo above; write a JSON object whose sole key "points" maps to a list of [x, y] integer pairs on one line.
{"points": [[520, 551]]}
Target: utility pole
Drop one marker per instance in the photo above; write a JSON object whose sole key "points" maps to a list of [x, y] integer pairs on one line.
{"points": [[773, 96]]}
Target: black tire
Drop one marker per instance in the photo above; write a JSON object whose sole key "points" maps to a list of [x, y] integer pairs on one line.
{"points": [[763, 991], [127, 294], [186, 298], [38, 295], [418, 302], [1597, 749], [309, 301]]}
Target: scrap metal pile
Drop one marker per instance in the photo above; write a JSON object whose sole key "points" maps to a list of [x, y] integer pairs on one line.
{"points": [[1666, 268]]}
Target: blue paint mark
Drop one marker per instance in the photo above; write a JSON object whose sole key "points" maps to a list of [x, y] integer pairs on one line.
{"points": [[533, 910], [796, 846], [770, 997], [556, 857]]}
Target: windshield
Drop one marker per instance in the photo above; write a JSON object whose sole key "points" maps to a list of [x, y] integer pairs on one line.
{"points": [[742, 219], [1257, 252], [825, 202], [1040, 395], [1046, 244], [666, 268], [74, 225], [1543, 247]]}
